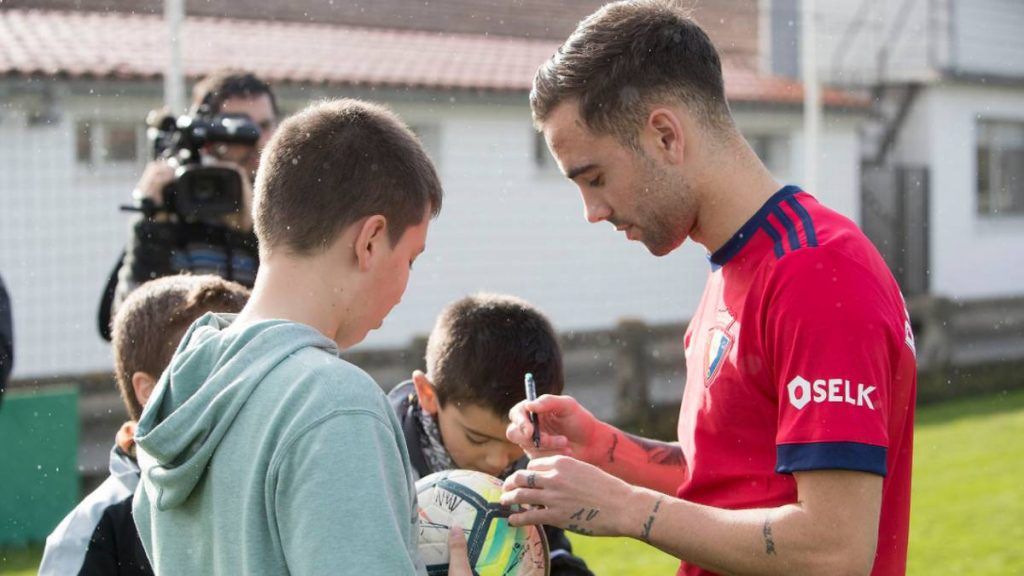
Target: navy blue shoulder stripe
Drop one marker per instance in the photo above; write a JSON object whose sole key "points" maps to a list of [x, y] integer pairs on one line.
{"points": [[776, 238], [735, 244], [787, 223], [869, 458], [805, 217]]}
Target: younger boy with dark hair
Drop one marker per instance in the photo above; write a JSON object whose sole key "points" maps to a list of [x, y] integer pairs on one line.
{"points": [[455, 415], [99, 537]]}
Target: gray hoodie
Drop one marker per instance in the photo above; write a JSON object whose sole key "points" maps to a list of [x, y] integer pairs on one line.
{"points": [[262, 452]]}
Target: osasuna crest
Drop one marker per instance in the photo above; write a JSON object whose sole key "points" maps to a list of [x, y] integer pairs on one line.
{"points": [[719, 343]]}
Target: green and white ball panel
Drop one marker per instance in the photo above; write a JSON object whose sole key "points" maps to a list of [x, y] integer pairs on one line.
{"points": [[471, 500]]}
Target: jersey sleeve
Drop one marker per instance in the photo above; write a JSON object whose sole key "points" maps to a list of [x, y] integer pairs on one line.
{"points": [[828, 336]]}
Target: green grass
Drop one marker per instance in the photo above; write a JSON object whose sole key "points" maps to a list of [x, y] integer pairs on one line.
{"points": [[967, 507], [967, 511]]}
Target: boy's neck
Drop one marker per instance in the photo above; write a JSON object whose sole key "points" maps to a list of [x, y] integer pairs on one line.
{"points": [[301, 290]]}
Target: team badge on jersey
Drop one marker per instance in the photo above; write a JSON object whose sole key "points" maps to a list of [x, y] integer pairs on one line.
{"points": [[719, 343]]}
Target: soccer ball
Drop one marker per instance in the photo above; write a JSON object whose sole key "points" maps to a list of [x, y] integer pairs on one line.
{"points": [[470, 500]]}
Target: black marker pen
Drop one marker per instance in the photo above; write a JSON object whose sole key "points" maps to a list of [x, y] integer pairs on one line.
{"points": [[531, 395]]}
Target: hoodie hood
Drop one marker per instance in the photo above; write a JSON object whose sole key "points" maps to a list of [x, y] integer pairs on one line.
{"points": [[215, 370]]}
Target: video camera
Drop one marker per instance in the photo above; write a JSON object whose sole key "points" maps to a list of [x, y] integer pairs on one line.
{"points": [[198, 193]]}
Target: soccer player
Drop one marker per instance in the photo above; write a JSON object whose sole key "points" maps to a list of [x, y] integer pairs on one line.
{"points": [[454, 416], [262, 451], [795, 430]]}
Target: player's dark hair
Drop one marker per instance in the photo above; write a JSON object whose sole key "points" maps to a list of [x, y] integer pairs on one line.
{"points": [[483, 345], [628, 57]]}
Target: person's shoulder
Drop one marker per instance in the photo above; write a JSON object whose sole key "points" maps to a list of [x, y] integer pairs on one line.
{"points": [[831, 248], [323, 377]]}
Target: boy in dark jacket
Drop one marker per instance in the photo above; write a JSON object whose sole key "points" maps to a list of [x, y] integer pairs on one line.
{"points": [[99, 537], [455, 415]]}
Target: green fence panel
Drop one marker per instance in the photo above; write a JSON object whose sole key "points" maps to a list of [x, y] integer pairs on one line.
{"points": [[38, 462]]}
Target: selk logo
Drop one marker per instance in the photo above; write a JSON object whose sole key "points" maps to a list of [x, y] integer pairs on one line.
{"points": [[832, 390]]}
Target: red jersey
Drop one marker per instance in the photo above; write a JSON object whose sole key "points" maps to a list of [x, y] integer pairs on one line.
{"points": [[800, 357]]}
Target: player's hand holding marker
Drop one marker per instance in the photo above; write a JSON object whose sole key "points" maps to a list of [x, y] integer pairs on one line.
{"points": [[566, 428], [560, 484]]}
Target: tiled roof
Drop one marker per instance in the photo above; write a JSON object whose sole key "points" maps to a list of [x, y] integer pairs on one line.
{"points": [[127, 46]]}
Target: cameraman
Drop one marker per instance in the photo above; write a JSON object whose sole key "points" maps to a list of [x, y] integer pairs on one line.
{"points": [[162, 243]]}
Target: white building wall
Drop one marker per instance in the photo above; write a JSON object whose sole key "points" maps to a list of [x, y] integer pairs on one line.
{"points": [[973, 256], [865, 41], [989, 38], [508, 225], [60, 232]]}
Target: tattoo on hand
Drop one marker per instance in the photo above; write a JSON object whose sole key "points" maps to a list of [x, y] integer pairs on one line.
{"points": [[591, 514], [769, 543], [580, 530], [662, 453], [611, 451], [646, 535]]}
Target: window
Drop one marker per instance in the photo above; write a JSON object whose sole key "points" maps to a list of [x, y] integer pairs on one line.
{"points": [[1000, 167], [103, 142]]}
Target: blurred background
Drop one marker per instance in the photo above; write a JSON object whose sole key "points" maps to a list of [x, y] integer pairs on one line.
{"points": [[905, 115]]}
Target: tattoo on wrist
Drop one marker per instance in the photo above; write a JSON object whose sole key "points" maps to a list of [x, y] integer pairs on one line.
{"points": [[646, 534], [769, 542], [611, 451], [662, 453]]}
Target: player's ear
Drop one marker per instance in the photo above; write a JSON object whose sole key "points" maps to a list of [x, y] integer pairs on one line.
{"points": [[370, 240], [426, 392], [667, 135]]}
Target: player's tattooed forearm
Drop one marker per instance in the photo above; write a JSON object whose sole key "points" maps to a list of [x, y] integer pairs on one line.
{"points": [[662, 453], [646, 534], [769, 542], [611, 451]]}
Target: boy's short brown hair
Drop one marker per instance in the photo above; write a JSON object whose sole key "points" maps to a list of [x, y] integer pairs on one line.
{"points": [[153, 319], [337, 162], [627, 57], [483, 345]]}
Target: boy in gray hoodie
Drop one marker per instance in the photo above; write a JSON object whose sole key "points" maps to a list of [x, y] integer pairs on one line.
{"points": [[263, 452]]}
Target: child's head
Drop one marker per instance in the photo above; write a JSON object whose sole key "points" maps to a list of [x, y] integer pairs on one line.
{"points": [[477, 355], [151, 322], [346, 189]]}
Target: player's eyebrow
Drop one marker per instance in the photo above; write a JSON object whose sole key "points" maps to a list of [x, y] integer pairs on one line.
{"points": [[574, 172]]}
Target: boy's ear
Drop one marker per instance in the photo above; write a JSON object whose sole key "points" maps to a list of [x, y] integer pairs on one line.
{"points": [[143, 384], [426, 392], [373, 232]]}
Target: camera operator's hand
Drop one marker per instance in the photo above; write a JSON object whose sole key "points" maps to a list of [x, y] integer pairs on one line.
{"points": [[157, 175]]}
